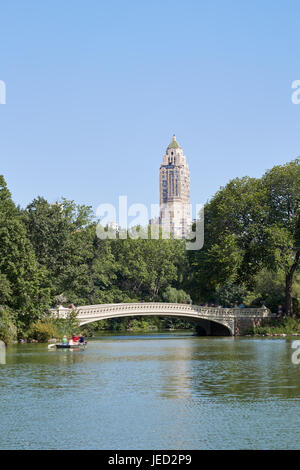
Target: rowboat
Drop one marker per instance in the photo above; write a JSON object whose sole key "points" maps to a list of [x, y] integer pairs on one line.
{"points": [[68, 346], [71, 346]]}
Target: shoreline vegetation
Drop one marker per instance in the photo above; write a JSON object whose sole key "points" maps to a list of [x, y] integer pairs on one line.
{"points": [[50, 255], [50, 332], [284, 326]]}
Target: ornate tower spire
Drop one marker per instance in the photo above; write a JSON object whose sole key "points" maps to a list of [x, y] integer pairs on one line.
{"points": [[175, 191]]}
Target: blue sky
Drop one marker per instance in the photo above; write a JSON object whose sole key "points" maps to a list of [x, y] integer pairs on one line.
{"points": [[95, 90]]}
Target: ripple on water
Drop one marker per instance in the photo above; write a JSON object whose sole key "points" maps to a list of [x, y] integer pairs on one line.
{"points": [[152, 392]]}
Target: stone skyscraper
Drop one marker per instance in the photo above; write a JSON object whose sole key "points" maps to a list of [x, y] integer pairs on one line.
{"points": [[174, 183]]}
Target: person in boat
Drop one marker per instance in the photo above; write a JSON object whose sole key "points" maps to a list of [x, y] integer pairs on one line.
{"points": [[64, 340], [73, 340], [81, 339]]}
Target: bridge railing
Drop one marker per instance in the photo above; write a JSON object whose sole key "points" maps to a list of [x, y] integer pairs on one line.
{"points": [[162, 308]]}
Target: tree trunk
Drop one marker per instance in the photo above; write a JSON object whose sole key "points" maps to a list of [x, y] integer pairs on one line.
{"points": [[288, 295], [288, 286]]}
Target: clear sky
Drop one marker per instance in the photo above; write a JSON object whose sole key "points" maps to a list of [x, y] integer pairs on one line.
{"points": [[96, 89]]}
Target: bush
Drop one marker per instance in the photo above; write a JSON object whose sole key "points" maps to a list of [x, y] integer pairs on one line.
{"points": [[42, 331], [275, 326], [8, 330]]}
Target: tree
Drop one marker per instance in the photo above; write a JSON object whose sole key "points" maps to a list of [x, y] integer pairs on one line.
{"points": [[251, 224], [229, 295], [61, 243], [233, 231], [173, 295], [5, 290], [8, 330], [282, 244], [145, 267], [22, 287]]}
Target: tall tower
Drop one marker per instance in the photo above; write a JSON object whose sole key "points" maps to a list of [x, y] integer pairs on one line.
{"points": [[174, 183]]}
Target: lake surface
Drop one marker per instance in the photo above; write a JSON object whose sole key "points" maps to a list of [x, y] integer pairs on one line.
{"points": [[152, 391]]}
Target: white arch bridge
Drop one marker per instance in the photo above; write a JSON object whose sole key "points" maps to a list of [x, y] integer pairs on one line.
{"points": [[213, 320]]}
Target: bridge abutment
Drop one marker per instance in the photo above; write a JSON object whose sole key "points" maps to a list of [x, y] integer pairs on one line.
{"points": [[243, 324]]}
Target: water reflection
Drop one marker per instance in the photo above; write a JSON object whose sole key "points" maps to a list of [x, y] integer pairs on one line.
{"points": [[155, 390], [248, 370]]}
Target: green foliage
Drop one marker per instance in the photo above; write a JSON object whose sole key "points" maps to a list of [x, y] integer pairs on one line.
{"points": [[5, 290], [50, 254], [285, 325], [43, 330], [8, 330], [173, 295], [229, 294], [268, 289], [281, 249], [22, 282], [68, 326], [232, 226], [250, 224], [61, 244], [139, 323], [144, 268]]}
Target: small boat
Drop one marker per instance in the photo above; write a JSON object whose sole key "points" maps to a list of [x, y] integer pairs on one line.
{"points": [[68, 346], [71, 346]]}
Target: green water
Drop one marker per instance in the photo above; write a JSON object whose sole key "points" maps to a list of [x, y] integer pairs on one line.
{"points": [[155, 391]]}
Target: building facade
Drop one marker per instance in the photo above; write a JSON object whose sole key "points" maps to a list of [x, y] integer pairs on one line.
{"points": [[174, 183]]}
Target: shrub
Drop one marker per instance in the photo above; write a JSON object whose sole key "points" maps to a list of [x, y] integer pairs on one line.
{"points": [[8, 330], [275, 326], [43, 330]]}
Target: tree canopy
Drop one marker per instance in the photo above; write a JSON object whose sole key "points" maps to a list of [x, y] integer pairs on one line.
{"points": [[50, 254]]}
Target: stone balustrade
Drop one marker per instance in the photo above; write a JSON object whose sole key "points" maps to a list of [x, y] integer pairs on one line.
{"points": [[234, 319]]}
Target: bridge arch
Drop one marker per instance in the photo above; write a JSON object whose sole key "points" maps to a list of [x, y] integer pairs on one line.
{"points": [[209, 327], [215, 321], [211, 319]]}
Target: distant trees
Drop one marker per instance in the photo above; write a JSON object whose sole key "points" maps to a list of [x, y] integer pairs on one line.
{"points": [[50, 253], [173, 295], [145, 268], [86, 269]]}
